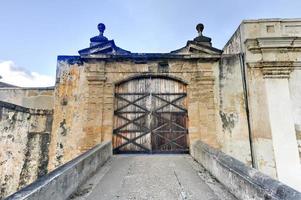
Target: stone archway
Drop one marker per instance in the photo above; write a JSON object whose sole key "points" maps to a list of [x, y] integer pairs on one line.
{"points": [[150, 116]]}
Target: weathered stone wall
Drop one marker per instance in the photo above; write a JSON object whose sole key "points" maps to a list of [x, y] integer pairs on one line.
{"points": [[200, 79], [271, 57], [295, 92], [40, 98], [263, 153], [24, 141], [70, 114], [84, 100], [264, 28], [272, 52], [234, 45], [233, 133]]}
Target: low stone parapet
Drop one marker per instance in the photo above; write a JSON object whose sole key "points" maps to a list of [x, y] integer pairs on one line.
{"points": [[30, 97], [63, 181], [242, 181]]}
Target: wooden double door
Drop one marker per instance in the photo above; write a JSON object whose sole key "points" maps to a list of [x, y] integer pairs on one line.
{"points": [[150, 116]]}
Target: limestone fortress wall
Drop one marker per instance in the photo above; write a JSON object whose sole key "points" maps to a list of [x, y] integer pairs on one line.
{"points": [[244, 100]]}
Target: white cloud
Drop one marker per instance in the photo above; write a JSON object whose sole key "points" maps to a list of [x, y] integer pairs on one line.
{"points": [[21, 77]]}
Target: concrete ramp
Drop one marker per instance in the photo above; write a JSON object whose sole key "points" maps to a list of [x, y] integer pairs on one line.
{"points": [[151, 177], [205, 174]]}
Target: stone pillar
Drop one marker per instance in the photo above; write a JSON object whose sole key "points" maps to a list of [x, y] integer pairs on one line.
{"points": [[282, 125], [201, 108], [95, 106]]}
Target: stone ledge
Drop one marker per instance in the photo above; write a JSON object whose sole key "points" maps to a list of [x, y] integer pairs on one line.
{"points": [[71, 60], [257, 45], [242, 181], [275, 69], [63, 181], [28, 88], [264, 20], [15, 107], [151, 56], [137, 57]]}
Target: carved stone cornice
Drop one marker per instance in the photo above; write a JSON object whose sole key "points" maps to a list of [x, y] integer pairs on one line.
{"points": [[276, 72], [258, 45], [275, 69]]}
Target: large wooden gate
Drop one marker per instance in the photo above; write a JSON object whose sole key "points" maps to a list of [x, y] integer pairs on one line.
{"points": [[150, 116]]}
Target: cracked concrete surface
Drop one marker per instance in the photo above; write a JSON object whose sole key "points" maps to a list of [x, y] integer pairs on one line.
{"points": [[126, 177]]}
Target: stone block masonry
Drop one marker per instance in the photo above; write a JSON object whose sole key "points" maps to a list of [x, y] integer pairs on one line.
{"points": [[24, 141]]}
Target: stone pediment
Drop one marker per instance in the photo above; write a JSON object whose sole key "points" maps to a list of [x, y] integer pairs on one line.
{"points": [[107, 47], [101, 45], [193, 47], [199, 45]]}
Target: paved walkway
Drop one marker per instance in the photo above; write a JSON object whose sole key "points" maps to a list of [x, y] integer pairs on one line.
{"points": [[142, 177]]}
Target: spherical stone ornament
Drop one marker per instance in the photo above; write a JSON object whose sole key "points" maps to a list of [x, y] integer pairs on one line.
{"points": [[200, 28], [100, 38], [101, 27], [201, 38]]}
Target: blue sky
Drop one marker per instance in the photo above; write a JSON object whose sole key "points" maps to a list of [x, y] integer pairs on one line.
{"points": [[34, 32]]}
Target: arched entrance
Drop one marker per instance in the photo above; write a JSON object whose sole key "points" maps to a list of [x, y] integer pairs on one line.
{"points": [[150, 116]]}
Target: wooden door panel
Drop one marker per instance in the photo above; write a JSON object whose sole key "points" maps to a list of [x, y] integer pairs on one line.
{"points": [[150, 116]]}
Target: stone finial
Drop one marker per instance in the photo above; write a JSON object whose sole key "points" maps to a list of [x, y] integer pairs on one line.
{"points": [[100, 38], [200, 28], [101, 27], [201, 39]]}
